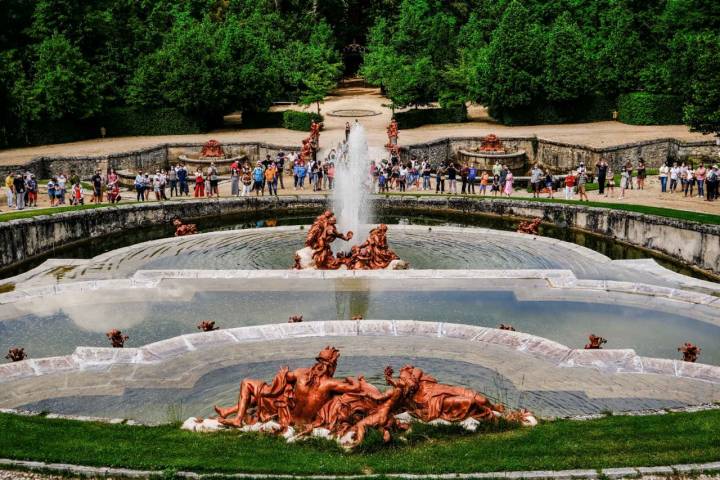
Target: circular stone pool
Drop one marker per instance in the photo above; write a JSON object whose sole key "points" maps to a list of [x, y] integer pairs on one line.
{"points": [[465, 277]]}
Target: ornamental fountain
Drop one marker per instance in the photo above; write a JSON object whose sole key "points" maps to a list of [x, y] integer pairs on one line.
{"points": [[493, 150], [212, 152]]}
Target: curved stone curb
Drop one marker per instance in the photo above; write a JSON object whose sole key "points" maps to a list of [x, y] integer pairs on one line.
{"points": [[610, 361], [625, 472]]}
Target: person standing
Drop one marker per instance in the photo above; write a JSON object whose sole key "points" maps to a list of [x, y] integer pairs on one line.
{"points": [[61, 187], [663, 174], [331, 176], [641, 174], [425, 172], [536, 180], [9, 190], [19, 189], [140, 186], [472, 175], [464, 172], [172, 178], [440, 179], [246, 180], [700, 179], [51, 191], [497, 169], [452, 177], [347, 130], [199, 184], [509, 178], [484, 179], [234, 179], [569, 186], [182, 175], [32, 189], [271, 179], [97, 187], [280, 164], [258, 178], [581, 182], [214, 181], [625, 180], [711, 183], [602, 170], [674, 175]]}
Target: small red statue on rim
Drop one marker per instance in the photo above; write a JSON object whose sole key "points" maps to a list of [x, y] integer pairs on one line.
{"points": [[689, 352], [16, 354], [530, 227], [596, 342], [182, 229], [207, 326], [117, 339], [295, 319], [506, 327]]}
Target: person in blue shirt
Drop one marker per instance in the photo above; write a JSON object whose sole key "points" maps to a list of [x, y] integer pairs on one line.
{"points": [[301, 172], [258, 178], [472, 175], [182, 174]]}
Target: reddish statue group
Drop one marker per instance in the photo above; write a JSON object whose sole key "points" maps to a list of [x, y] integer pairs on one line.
{"points": [[392, 133], [596, 342], [530, 227], [117, 339], [212, 149], [689, 352], [311, 144], [182, 229], [207, 326], [16, 354], [491, 143], [373, 254], [310, 398]]}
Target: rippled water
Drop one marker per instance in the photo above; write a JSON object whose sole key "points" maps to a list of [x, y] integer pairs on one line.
{"points": [[58, 325]]}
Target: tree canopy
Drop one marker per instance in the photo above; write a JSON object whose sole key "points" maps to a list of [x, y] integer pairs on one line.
{"points": [[74, 60]]}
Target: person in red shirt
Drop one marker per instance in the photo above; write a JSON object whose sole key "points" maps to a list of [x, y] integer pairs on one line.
{"points": [[569, 186]]}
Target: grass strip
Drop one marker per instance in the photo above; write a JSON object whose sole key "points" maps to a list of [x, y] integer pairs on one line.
{"points": [[614, 441], [687, 215]]}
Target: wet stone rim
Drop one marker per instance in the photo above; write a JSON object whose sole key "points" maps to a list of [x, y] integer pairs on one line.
{"points": [[611, 361]]}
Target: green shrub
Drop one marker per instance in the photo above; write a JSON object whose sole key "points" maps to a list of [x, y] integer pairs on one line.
{"points": [[294, 120], [60, 131], [642, 108], [128, 121], [587, 109], [419, 117], [262, 119]]}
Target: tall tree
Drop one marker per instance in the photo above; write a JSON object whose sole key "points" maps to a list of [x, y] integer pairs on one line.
{"points": [[702, 111], [515, 61], [568, 68]]}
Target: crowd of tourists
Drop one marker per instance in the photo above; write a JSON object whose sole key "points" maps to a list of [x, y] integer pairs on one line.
{"points": [[385, 175], [683, 178]]}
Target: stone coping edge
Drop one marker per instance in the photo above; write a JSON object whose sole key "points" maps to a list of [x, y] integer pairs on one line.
{"points": [[555, 278], [614, 473], [554, 353]]}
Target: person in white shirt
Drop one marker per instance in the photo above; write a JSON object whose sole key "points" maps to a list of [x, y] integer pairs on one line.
{"points": [[674, 175], [663, 174]]}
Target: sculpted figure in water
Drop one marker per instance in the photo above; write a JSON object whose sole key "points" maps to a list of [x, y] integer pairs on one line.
{"points": [[294, 397], [310, 398]]}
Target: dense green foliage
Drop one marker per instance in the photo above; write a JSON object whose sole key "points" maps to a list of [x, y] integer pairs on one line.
{"points": [[294, 120], [72, 62], [77, 63], [608, 442], [641, 108], [534, 61], [129, 121], [425, 116]]}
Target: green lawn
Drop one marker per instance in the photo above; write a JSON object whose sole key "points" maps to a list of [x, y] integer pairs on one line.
{"points": [[34, 212], [607, 442], [648, 210]]}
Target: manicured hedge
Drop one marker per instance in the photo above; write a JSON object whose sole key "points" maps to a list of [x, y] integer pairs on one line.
{"points": [[295, 120], [62, 131], [128, 121], [290, 119], [262, 119], [426, 116], [642, 108], [587, 109]]}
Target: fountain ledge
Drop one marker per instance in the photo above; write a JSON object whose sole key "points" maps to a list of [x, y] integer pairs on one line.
{"points": [[559, 279], [608, 361]]}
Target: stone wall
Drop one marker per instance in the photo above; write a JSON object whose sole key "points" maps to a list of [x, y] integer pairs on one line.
{"points": [[692, 243], [562, 157], [148, 159]]}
